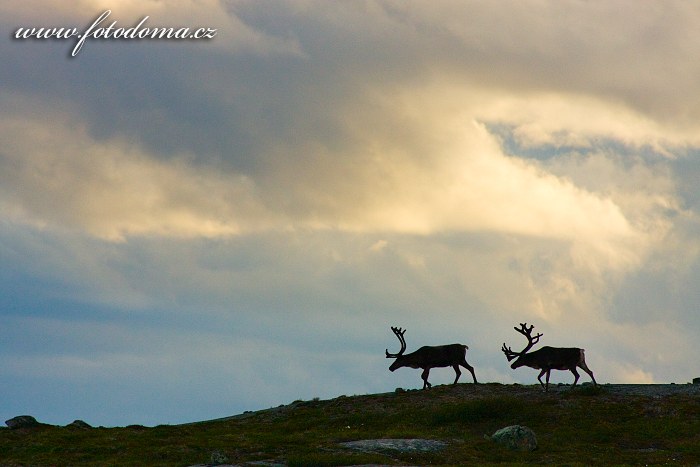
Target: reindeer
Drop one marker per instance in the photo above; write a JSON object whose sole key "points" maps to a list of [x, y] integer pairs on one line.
{"points": [[547, 358], [429, 357]]}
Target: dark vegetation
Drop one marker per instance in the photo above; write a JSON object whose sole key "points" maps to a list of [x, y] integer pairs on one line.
{"points": [[582, 426]]}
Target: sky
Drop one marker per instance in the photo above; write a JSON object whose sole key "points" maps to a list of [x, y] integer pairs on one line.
{"points": [[190, 229]]}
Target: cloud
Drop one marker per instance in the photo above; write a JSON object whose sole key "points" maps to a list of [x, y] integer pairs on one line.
{"points": [[60, 177], [571, 47], [115, 189], [320, 172], [430, 169]]}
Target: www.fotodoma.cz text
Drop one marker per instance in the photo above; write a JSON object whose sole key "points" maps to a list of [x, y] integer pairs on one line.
{"points": [[96, 31]]}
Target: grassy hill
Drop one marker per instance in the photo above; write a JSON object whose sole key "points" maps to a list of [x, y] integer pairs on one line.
{"points": [[586, 425]]}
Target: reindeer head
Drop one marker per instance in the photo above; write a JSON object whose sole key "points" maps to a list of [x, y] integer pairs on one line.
{"points": [[527, 332], [397, 364]]}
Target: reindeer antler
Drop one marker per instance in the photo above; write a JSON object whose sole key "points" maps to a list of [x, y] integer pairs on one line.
{"points": [[526, 331], [399, 334], [510, 355]]}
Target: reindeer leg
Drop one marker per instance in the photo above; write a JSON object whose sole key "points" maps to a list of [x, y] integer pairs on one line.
{"points": [[585, 368], [539, 378], [470, 368], [425, 374], [546, 389], [457, 373], [576, 375]]}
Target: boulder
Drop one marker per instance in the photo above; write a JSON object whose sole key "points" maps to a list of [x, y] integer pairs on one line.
{"points": [[516, 437], [218, 458], [22, 421]]}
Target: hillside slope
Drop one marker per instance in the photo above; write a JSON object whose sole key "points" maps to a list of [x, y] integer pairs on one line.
{"points": [[609, 424]]}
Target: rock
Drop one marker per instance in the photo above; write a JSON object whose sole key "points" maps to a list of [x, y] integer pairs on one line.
{"points": [[696, 380], [218, 458], [401, 445], [22, 421], [516, 437], [79, 424]]}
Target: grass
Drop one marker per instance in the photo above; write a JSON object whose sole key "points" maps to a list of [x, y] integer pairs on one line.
{"points": [[578, 427]]}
